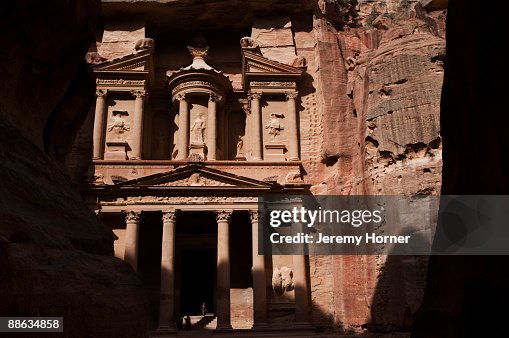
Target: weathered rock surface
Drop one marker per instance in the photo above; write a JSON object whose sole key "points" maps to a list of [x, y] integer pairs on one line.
{"points": [[56, 259], [380, 81]]}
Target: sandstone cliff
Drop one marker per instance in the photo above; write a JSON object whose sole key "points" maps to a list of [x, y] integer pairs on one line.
{"points": [[380, 73], [56, 259]]}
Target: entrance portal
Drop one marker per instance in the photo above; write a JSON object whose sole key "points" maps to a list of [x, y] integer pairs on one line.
{"points": [[197, 281], [196, 256]]}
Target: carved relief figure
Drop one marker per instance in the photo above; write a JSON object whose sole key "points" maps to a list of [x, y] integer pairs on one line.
{"points": [[195, 180], [118, 124], [197, 129], [274, 126], [282, 280]]}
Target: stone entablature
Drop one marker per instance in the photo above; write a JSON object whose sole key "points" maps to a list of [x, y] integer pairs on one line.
{"points": [[105, 172]]}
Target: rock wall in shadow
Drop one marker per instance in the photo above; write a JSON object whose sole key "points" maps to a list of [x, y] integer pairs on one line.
{"points": [[56, 259], [467, 296]]}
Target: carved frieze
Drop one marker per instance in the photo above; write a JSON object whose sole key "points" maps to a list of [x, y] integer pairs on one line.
{"points": [[196, 180], [133, 200], [121, 82], [193, 84], [285, 84]]}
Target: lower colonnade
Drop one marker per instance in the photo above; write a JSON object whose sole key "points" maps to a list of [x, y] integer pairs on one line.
{"points": [[167, 313]]}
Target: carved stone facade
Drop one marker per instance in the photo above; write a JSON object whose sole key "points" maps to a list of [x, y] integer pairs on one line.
{"points": [[188, 131]]}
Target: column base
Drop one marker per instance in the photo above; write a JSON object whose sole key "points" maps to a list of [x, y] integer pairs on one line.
{"points": [[223, 328], [260, 327]]}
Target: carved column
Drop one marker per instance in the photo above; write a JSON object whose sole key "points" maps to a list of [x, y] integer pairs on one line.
{"points": [[211, 126], [167, 296], [259, 278], [301, 288], [183, 136], [132, 220], [292, 121], [100, 112], [223, 270], [256, 116], [137, 128]]}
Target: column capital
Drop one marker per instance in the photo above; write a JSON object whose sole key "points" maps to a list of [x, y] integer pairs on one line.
{"points": [[170, 215], [223, 215], [214, 97], [132, 216], [101, 92], [139, 93], [181, 97], [253, 215], [291, 95], [254, 95]]}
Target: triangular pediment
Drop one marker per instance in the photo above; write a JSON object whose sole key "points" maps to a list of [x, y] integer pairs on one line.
{"points": [[196, 176], [140, 61], [256, 63]]}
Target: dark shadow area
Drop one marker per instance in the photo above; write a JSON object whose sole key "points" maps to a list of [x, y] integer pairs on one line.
{"points": [[149, 261], [241, 254], [466, 296], [197, 275], [399, 291]]}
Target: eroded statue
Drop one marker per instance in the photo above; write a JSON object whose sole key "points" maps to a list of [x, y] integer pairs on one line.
{"points": [[118, 124], [282, 280], [274, 126], [197, 130]]}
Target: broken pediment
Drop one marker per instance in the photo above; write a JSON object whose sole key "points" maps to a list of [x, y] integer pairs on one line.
{"points": [[140, 61], [196, 176], [130, 71], [256, 67]]}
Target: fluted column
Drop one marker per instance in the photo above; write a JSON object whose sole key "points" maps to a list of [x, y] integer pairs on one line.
{"points": [[167, 296], [223, 270], [183, 136], [99, 121], [259, 278], [212, 126], [132, 220], [137, 127], [292, 121], [256, 116]]}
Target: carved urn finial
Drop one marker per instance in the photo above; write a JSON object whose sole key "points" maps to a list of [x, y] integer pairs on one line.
{"points": [[199, 51]]}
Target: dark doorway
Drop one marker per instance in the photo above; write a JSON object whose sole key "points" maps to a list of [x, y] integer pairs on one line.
{"points": [[197, 281], [149, 261]]}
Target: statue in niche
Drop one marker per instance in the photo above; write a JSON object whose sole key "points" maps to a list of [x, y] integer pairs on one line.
{"points": [[282, 280], [240, 146], [197, 130], [274, 126], [237, 126], [118, 124]]}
